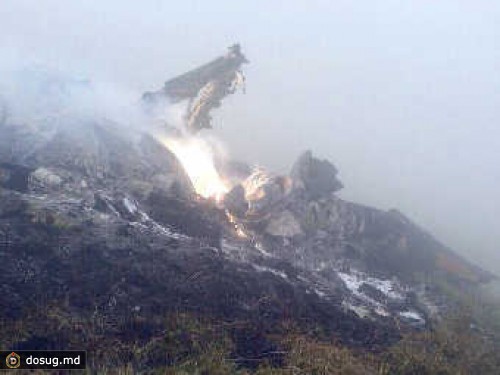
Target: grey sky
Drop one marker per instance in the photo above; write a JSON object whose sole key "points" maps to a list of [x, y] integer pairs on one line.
{"points": [[403, 96]]}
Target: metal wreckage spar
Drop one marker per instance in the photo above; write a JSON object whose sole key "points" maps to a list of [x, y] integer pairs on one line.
{"points": [[204, 87]]}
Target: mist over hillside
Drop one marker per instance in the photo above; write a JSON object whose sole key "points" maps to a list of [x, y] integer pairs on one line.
{"points": [[401, 96], [250, 188]]}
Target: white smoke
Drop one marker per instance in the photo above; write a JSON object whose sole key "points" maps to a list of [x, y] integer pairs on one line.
{"points": [[35, 93], [42, 99]]}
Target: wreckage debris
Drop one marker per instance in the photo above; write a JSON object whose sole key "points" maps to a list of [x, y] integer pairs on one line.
{"points": [[204, 88], [317, 177]]}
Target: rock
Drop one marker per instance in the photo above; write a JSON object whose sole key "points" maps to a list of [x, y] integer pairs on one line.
{"points": [[14, 177], [372, 292], [46, 178], [98, 152], [284, 225], [235, 202], [317, 177], [193, 218], [264, 191]]}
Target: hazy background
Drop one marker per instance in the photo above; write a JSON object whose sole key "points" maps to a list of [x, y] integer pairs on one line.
{"points": [[403, 96]]}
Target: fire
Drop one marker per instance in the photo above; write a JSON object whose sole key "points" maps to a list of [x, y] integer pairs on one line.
{"points": [[196, 157], [238, 228]]}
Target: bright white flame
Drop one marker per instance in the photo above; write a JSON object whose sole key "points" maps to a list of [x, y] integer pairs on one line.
{"points": [[196, 157]]}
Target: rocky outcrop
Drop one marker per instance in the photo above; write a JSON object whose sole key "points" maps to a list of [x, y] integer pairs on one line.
{"points": [[283, 224], [381, 257], [317, 177], [95, 154], [264, 191], [235, 201]]}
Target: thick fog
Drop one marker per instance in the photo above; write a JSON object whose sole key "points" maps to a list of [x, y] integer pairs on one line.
{"points": [[404, 97]]}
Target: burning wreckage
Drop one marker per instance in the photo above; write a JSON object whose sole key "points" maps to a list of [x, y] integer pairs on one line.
{"points": [[132, 237], [204, 88], [331, 245]]}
